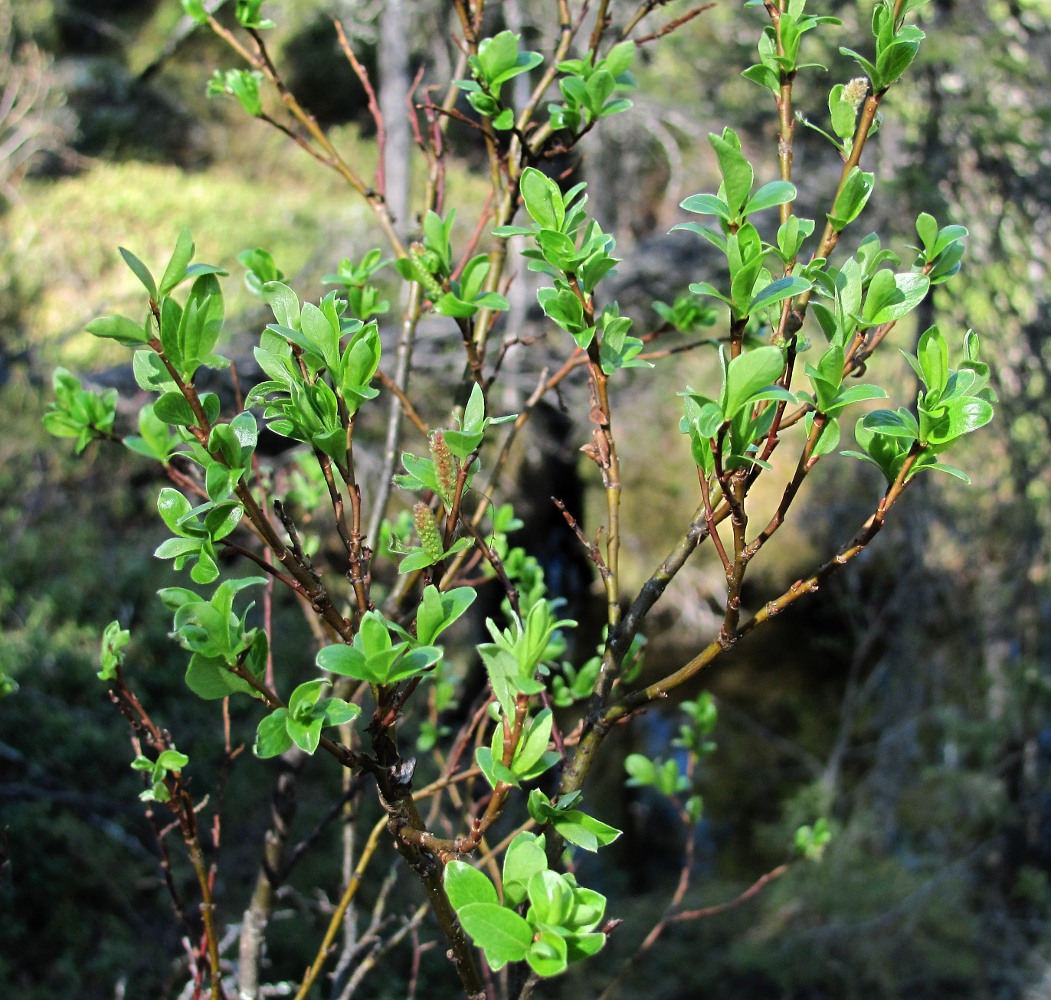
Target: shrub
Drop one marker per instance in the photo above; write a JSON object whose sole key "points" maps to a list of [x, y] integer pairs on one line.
{"points": [[484, 789]]}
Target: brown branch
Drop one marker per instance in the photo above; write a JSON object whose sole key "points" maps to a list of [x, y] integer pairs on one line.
{"points": [[671, 26], [750, 893], [592, 549], [374, 108]]}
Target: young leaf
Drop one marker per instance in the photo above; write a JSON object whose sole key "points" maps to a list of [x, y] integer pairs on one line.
{"points": [[933, 356], [705, 204], [501, 933], [549, 953], [770, 195], [583, 830], [736, 170], [543, 199], [852, 199], [271, 738], [118, 328], [749, 373], [439, 609], [140, 270], [525, 857], [114, 639], [180, 260], [777, 291], [532, 746], [465, 884], [891, 296]]}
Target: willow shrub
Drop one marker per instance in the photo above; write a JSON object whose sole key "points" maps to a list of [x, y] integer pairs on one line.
{"points": [[489, 814]]}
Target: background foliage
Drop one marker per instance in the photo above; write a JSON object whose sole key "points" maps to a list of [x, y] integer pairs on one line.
{"points": [[912, 706]]}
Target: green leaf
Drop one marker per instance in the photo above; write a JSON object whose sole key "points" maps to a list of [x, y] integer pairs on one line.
{"points": [[563, 307], [749, 373], [582, 946], [474, 414], [589, 907], [867, 68], [118, 328], [810, 841], [347, 661], [947, 469], [150, 373], [852, 199], [703, 288], [271, 738], [891, 296], [770, 195], [893, 60], [208, 678], [172, 760], [140, 270], [777, 291], [933, 357], [173, 408], [525, 857], [222, 519], [409, 664], [154, 439], [828, 440], [306, 735], [619, 59], [175, 272], [550, 897], [111, 657], [337, 712], [172, 548], [173, 508], [493, 771], [464, 885], [438, 610], [791, 234], [450, 305], [892, 423], [205, 570], [248, 15], [706, 204], [195, 10], [532, 746], [543, 199], [736, 170], [549, 953], [843, 113], [501, 933], [284, 303], [303, 699], [504, 121], [583, 830], [765, 77], [641, 770], [955, 418], [855, 394], [927, 230], [242, 84]]}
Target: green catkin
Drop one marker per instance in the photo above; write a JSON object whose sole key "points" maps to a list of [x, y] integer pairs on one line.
{"points": [[427, 530], [419, 258]]}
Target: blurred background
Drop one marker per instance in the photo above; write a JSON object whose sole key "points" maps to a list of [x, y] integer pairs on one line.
{"points": [[910, 702]]}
